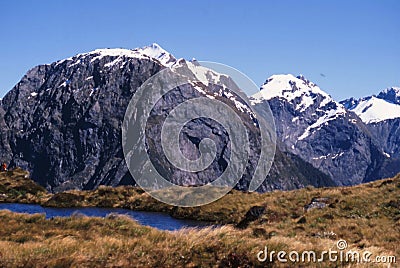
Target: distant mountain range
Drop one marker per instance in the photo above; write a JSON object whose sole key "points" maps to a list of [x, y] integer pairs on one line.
{"points": [[328, 134], [62, 122], [373, 109]]}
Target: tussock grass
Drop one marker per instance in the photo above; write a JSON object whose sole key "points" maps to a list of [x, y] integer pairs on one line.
{"points": [[16, 186], [367, 216]]}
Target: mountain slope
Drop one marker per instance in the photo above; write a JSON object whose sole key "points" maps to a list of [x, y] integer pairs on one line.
{"points": [[321, 131], [62, 122], [372, 109], [381, 113]]}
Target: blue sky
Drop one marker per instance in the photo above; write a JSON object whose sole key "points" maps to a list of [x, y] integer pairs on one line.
{"points": [[355, 45]]}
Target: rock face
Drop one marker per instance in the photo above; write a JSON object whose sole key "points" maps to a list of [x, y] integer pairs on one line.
{"points": [[290, 171], [5, 150], [387, 134], [62, 122], [323, 132], [391, 95], [64, 119], [381, 114]]}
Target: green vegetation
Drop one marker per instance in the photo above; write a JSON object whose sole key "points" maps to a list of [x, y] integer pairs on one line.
{"points": [[366, 216]]}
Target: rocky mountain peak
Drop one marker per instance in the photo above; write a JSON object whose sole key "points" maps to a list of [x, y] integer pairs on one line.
{"points": [[120, 55], [303, 78], [289, 87], [390, 94], [302, 93], [317, 128], [381, 114], [157, 52], [350, 103], [376, 108]]}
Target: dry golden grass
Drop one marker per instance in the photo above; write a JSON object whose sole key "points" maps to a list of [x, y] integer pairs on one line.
{"points": [[32, 241], [16, 186], [93, 242], [367, 216]]}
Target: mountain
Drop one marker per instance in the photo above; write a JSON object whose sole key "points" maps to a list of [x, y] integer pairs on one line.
{"points": [[63, 120], [322, 131], [381, 113], [391, 95], [373, 109]]}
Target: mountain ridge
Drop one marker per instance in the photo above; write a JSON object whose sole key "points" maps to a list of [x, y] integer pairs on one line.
{"points": [[322, 131], [381, 113], [62, 122]]}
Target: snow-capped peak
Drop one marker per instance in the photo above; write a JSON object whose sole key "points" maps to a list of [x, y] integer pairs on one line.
{"points": [[157, 52], [153, 51], [390, 94], [305, 96], [396, 90], [373, 109], [289, 88]]}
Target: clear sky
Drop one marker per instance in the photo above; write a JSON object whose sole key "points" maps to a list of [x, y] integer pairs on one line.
{"points": [[349, 48]]}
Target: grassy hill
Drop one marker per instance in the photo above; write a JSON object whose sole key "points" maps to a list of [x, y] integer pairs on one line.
{"points": [[366, 216]]}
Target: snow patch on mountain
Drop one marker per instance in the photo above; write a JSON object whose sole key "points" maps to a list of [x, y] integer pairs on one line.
{"points": [[203, 74], [328, 156], [153, 51], [289, 87], [208, 76], [303, 94], [373, 109], [376, 108], [157, 52], [323, 120]]}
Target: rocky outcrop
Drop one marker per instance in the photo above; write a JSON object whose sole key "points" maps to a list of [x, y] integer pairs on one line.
{"points": [[5, 150], [254, 213]]}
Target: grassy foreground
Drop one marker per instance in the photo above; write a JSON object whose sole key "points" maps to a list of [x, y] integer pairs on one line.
{"points": [[366, 216]]}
